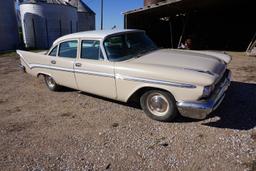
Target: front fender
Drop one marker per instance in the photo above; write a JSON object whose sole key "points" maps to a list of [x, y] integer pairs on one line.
{"points": [[127, 88], [44, 73]]}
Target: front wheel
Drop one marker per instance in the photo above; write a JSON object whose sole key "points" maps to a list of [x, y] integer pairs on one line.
{"points": [[159, 105], [51, 84]]}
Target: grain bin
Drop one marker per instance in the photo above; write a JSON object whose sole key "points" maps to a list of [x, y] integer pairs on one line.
{"points": [[9, 37], [43, 23], [86, 17]]}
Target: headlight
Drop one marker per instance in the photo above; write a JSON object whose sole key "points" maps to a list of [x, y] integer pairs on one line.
{"points": [[207, 91]]}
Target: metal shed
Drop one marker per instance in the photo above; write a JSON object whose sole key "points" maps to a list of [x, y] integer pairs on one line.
{"points": [[86, 17], [9, 37], [211, 24]]}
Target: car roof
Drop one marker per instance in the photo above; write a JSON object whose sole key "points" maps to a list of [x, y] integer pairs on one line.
{"points": [[98, 34]]}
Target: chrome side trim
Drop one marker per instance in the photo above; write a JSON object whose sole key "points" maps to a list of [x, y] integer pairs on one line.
{"points": [[102, 74], [201, 71], [116, 76], [32, 66], [152, 81]]}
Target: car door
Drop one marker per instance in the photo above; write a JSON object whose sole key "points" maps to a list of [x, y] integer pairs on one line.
{"points": [[63, 64], [94, 74]]}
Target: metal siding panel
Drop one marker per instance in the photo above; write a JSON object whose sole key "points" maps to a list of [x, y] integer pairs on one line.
{"points": [[9, 37], [86, 21], [58, 23]]}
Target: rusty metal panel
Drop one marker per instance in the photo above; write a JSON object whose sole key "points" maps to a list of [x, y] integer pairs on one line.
{"points": [[150, 2]]}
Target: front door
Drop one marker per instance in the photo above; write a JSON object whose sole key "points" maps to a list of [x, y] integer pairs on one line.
{"points": [[63, 64], [94, 74]]}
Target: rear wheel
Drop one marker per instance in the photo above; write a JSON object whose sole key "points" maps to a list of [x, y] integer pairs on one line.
{"points": [[51, 84], [159, 105]]}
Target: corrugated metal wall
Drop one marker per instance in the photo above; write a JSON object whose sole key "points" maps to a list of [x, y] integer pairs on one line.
{"points": [[86, 17], [9, 37], [43, 23], [86, 21]]}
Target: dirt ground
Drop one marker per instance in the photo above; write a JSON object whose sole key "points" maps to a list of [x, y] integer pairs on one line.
{"points": [[43, 130]]}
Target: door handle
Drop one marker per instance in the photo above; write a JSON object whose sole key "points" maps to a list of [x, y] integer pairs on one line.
{"points": [[53, 62], [78, 64]]}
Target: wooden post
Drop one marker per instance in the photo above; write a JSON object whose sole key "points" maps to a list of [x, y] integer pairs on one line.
{"points": [[170, 23], [184, 27]]}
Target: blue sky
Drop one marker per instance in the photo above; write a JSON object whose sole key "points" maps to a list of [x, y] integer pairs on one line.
{"points": [[113, 10]]}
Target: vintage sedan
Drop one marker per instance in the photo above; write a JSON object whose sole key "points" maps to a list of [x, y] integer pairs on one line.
{"points": [[125, 65]]}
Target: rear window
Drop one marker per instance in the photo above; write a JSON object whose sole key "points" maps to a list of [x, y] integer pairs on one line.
{"points": [[68, 49], [54, 51]]}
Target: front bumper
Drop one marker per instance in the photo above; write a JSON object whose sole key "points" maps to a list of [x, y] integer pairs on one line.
{"points": [[200, 109]]}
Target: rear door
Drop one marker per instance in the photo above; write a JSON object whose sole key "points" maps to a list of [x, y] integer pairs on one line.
{"points": [[63, 64], [94, 74]]}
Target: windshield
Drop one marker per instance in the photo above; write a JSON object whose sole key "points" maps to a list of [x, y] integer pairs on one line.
{"points": [[129, 45]]}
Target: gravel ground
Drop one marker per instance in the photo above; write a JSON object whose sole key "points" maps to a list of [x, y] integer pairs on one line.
{"points": [[69, 130]]}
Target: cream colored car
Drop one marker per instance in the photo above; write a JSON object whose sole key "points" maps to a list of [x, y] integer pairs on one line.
{"points": [[126, 65]]}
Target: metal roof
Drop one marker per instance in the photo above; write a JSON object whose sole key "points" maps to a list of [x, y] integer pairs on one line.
{"points": [[168, 6], [79, 4], [63, 2], [162, 3], [82, 7]]}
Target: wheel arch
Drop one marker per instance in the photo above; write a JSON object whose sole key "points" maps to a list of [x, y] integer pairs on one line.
{"points": [[43, 74], [135, 96]]}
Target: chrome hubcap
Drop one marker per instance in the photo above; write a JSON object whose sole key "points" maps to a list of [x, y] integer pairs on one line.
{"points": [[157, 104], [50, 82]]}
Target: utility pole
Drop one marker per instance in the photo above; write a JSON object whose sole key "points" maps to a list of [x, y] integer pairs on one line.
{"points": [[101, 20]]}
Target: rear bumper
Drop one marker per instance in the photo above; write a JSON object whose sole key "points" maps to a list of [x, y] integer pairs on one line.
{"points": [[200, 109], [22, 68]]}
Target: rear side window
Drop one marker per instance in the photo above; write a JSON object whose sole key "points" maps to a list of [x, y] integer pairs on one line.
{"points": [[90, 49], [68, 49], [54, 51]]}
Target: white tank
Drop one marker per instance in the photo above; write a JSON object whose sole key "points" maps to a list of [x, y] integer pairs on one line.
{"points": [[43, 23], [9, 37]]}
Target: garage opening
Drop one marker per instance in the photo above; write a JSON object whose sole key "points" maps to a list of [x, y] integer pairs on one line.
{"points": [[208, 24]]}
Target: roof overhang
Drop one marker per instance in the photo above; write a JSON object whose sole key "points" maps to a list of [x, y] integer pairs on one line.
{"points": [[153, 6], [174, 6]]}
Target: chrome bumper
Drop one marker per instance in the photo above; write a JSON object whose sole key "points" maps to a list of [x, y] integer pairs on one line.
{"points": [[200, 109], [22, 68]]}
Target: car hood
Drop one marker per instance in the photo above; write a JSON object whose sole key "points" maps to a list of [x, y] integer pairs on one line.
{"points": [[188, 60]]}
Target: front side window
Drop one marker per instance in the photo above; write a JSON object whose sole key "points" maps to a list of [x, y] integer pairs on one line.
{"points": [[54, 51], [90, 49], [129, 45], [68, 49]]}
